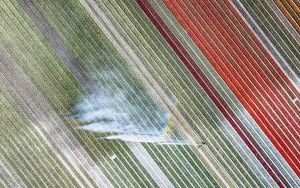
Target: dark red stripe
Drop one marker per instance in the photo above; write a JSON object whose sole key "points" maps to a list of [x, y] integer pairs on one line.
{"points": [[211, 91]]}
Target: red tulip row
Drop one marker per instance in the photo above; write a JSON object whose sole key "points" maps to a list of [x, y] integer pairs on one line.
{"points": [[246, 67]]}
